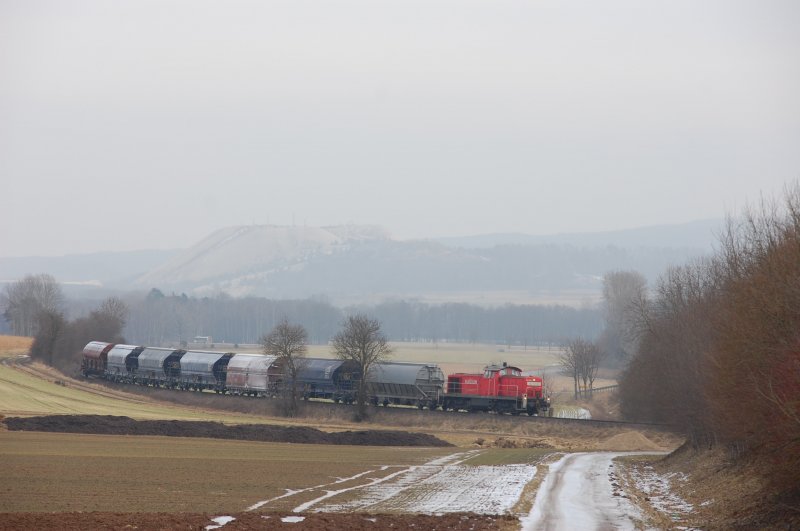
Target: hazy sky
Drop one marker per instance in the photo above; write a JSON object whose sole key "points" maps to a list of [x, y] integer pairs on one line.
{"points": [[149, 124]]}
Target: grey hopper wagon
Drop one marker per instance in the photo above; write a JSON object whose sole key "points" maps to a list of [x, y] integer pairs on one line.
{"points": [[159, 366], [123, 362], [327, 378], [204, 370], [410, 384]]}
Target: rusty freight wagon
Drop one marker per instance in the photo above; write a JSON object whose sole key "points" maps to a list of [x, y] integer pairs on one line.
{"points": [[95, 357], [251, 374]]}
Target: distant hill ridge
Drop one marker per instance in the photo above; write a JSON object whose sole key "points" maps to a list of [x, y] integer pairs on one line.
{"points": [[253, 249], [701, 234], [354, 263]]}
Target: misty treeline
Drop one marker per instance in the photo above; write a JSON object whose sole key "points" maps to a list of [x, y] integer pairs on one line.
{"points": [[719, 343], [35, 306], [175, 319], [159, 319], [25, 300]]}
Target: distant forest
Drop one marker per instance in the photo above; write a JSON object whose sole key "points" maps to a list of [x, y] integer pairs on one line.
{"points": [[159, 319]]}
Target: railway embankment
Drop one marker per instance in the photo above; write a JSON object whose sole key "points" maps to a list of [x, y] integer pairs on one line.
{"points": [[120, 425]]}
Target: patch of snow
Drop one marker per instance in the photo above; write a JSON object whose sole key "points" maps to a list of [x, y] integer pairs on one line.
{"points": [[93, 283], [290, 492], [657, 488], [332, 493], [220, 521], [442, 486], [571, 412], [292, 519]]}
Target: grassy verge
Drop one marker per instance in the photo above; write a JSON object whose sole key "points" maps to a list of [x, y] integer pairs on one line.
{"points": [[14, 345], [509, 456]]}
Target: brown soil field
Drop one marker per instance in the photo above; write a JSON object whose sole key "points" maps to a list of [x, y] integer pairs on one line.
{"points": [[113, 425], [244, 521], [55, 472]]}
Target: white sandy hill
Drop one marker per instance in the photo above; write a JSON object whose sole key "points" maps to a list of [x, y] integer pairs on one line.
{"points": [[231, 259]]}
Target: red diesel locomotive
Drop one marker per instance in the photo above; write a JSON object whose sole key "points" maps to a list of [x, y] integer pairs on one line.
{"points": [[501, 388]]}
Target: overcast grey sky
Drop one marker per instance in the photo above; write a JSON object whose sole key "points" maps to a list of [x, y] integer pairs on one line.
{"points": [[149, 124]]}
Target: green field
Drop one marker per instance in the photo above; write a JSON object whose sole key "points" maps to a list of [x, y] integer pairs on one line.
{"points": [[23, 394], [509, 456]]}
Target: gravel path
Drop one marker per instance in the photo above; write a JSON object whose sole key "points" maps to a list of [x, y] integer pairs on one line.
{"points": [[581, 491]]}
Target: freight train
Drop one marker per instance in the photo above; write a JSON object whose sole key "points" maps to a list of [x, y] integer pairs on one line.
{"points": [[500, 388]]}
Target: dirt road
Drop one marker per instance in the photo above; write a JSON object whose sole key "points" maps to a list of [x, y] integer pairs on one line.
{"points": [[582, 491]]}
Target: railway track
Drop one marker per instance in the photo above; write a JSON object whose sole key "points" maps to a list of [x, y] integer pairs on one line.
{"points": [[323, 407], [413, 412]]}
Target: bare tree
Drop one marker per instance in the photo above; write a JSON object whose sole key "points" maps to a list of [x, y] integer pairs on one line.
{"points": [[288, 343], [571, 365], [593, 356], [24, 300], [108, 320], [114, 308], [581, 359], [624, 294], [361, 341]]}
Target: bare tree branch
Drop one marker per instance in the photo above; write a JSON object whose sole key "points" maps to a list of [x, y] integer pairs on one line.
{"points": [[362, 342]]}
